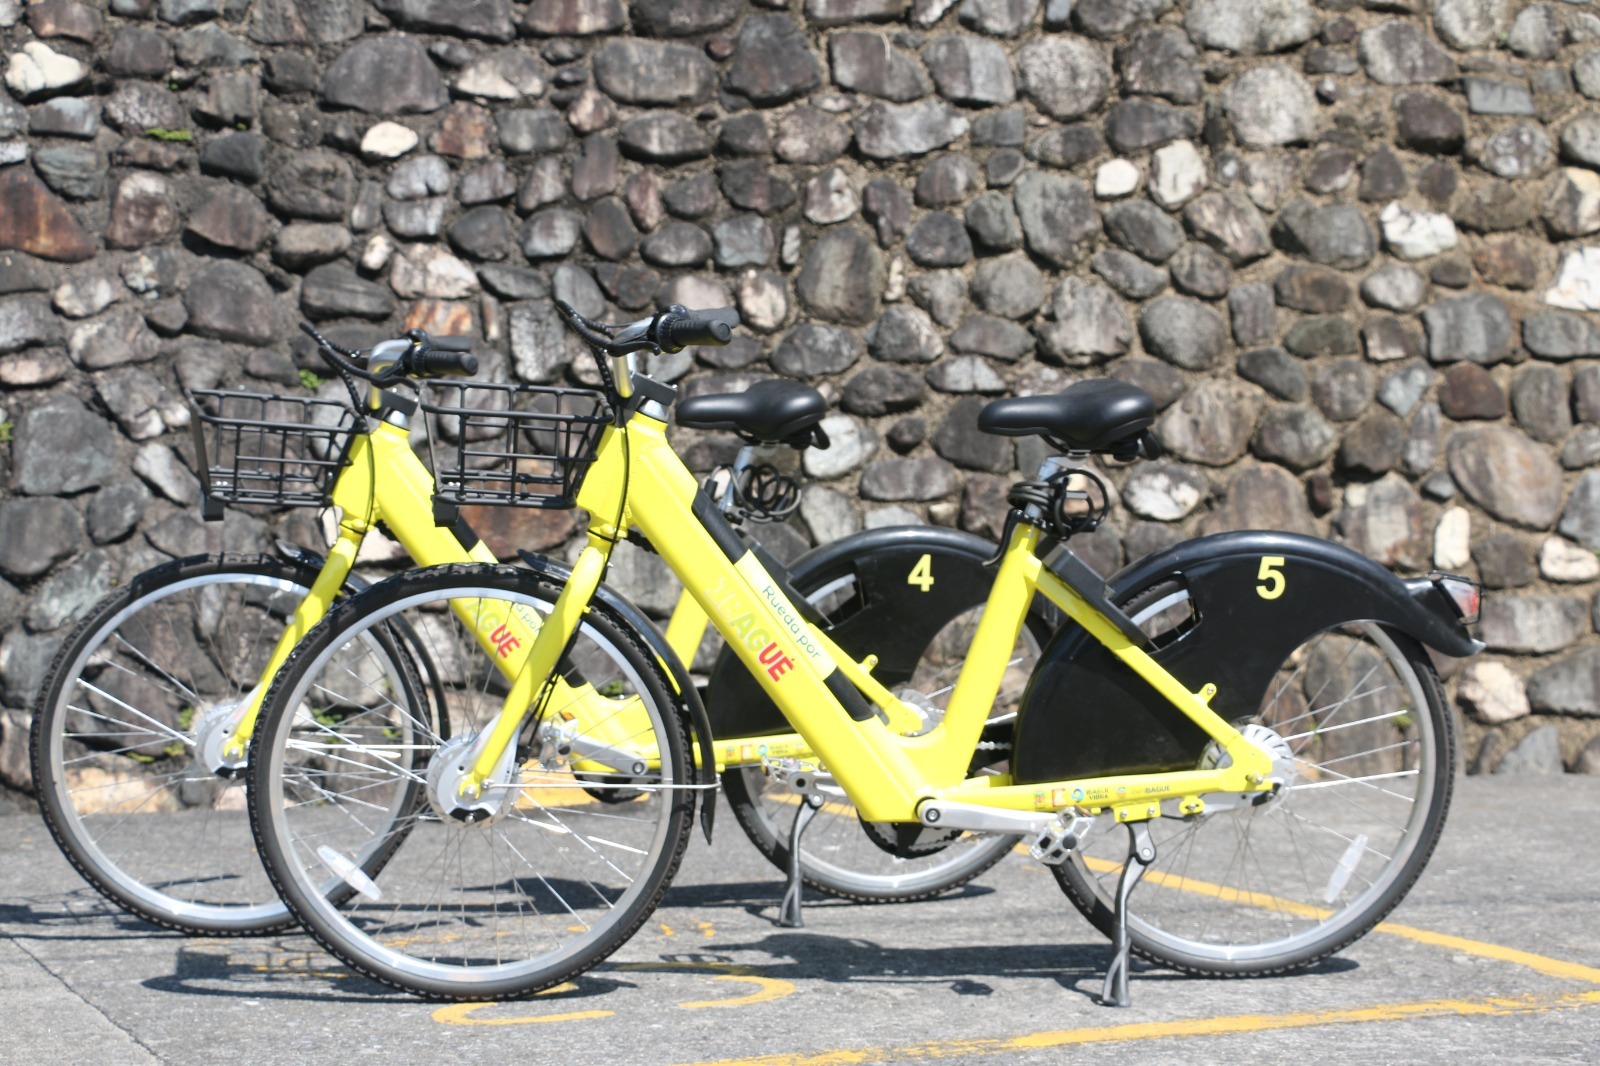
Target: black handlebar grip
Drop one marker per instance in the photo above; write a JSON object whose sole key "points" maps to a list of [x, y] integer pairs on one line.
{"points": [[679, 332], [433, 363], [451, 344]]}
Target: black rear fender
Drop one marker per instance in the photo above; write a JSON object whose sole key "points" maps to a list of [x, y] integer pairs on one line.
{"points": [[1253, 598]]}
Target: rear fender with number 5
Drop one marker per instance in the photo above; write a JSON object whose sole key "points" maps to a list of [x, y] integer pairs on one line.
{"points": [[1252, 598], [897, 588]]}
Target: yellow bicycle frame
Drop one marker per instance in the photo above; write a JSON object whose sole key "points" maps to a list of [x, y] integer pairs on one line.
{"points": [[637, 480]]}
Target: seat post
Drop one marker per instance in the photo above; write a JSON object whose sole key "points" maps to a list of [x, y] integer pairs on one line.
{"points": [[748, 456]]}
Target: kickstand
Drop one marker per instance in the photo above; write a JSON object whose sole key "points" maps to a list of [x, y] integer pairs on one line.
{"points": [[1141, 853], [789, 913]]}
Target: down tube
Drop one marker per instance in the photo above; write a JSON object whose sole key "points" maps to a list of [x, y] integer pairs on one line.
{"points": [[862, 755]]}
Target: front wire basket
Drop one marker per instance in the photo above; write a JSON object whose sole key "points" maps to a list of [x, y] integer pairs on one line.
{"points": [[511, 445], [261, 448]]}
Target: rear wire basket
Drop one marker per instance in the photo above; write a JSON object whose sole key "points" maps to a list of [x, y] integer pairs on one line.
{"points": [[260, 448], [511, 445]]}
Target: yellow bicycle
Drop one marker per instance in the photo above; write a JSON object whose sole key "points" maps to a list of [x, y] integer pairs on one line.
{"points": [[1256, 709], [141, 725]]}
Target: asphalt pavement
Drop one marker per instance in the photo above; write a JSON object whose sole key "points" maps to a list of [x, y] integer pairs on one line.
{"points": [[1495, 956]]}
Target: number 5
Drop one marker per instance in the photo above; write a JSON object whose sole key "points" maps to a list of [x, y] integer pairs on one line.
{"points": [[1271, 572]]}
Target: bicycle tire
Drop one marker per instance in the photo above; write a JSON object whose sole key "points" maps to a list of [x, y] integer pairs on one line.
{"points": [[1219, 903], [176, 639], [464, 911]]}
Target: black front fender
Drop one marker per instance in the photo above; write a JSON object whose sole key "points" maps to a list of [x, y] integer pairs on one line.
{"points": [[1255, 597]]}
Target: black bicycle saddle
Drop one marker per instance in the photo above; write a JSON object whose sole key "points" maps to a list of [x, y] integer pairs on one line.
{"points": [[766, 412], [1092, 416]]}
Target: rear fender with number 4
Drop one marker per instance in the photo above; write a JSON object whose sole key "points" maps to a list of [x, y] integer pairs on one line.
{"points": [[1253, 598], [902, 586]]}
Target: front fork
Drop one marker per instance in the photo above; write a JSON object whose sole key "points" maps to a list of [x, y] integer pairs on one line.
{"points": [[532, 679], [228, 749]]}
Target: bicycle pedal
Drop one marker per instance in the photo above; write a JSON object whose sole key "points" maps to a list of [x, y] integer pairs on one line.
{"points": [[803, 777], [1060, 836]]}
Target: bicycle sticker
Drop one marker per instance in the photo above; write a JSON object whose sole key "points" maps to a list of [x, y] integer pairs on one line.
{"points": [[922, 574], [1271, 572]]}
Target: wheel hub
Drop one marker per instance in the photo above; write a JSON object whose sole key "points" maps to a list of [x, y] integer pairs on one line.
{"points": [[449, 768], [213, 729], [1270, 743]]}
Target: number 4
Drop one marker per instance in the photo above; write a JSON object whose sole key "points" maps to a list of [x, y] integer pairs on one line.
{"points": [[1271, 572], [922, 573]]}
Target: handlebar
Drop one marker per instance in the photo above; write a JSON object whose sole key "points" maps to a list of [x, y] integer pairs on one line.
{"points": [[423, 357], [670, 331]]}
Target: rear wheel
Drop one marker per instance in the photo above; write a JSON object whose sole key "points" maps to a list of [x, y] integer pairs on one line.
{"points": [[573, 851], [1357, 714]]}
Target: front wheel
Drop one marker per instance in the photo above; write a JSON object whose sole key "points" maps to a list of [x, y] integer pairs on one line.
{"points": [[1357, 717], [573, 851]]}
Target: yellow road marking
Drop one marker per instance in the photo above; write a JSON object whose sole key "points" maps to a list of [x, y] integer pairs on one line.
{"points": [[705, 929], [767, 989], [1221, 1026]]}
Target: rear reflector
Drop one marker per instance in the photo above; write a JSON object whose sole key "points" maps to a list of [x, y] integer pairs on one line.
{"points": [[1465, 593]]}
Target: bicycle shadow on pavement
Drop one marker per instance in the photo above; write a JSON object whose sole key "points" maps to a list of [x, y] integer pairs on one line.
{"points": [[68, 918], [761, 899]]}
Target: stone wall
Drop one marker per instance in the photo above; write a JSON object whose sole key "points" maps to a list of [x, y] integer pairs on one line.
{"points": [[1341, 244]]}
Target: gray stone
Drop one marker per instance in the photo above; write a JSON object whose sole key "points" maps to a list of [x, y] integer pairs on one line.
{"points": [[942, 293], [1538, 32], [1386, 523], [743, 241], [75, 171], [135, 107], [843, 276], [235, 155], [1297, 437], [772, 61], [1427, 123], [489, 20], [1143, 228], [1276, 371], [1159, 61], [1252, 314], [959, 440], [609, 229], [1184, 332], [996, 338], [894, 131], [1387, 338], [1009, 286], [551, 234], [929, 478], [231, 218], [888, 207], [1163, 383], [120, 337], [1533, 625], [1321, 335], [1475, 328], [65, 117], [1336, 235], [385, 76], [993, 222], [881, 390], [1494, 207], [312, 185], [531, 130], [1247, 27], [1471, 392], [62, 447], [1373, 446], [1580, 139], [1057, 214], [1504, 561], [232, 302], [1383, 177], [483, 234], [1107, 19], [1536, 755], [1331, 169], [538, 342], [1311, 288], [1560, 335], [947, 181], [754, 186], [211, 46], [335, 291], [829, 515], [813, 350], [1395, 287], [904, 335], [1518, 151], [1571, 203], [999, 18], [1586, 74], [871, 64], [970, 70], [1398, 52], [70, 593], [142, 211], [1164, 491], [1497, 96], [1343, 390], [1509, 476], [1540, 401], [114, 511], [850, 445], [939, 240], [1230, 225], [1065, 77], [1580, 519], [416, 218], [1261, 496], [37, 534], [1064, 147], [1004, 129], [1271, 105], [563, 18], [486, 183], [1091, 324], [26, 321], [1570, 685], [682, 18], [664, 138], [1582, 448], [1213, 423], [1140, 123], [1128, 274], [808, 135]]}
